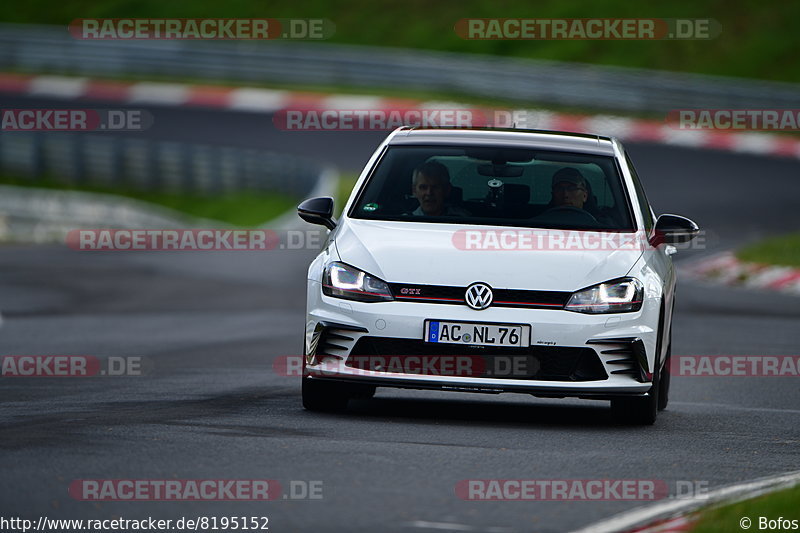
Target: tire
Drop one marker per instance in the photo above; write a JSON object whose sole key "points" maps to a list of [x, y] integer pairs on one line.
{"points": [[640, 410], [643, 410], [324, 396], [663, 392], [360, 392]]}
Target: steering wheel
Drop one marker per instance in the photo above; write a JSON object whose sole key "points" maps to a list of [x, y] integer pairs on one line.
{"points": [[567, 209]]}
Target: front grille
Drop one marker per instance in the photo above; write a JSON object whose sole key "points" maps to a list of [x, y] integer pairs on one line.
{"points": [[442, 294], [413, 356]]}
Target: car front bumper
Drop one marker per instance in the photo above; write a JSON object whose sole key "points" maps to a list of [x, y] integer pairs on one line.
{"points": [[335, 326]]}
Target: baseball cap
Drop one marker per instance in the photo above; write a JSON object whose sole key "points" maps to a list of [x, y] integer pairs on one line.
{"points": [[569, 174]]}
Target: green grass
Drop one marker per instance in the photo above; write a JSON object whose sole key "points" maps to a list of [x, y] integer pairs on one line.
{"points": [[759, 39], [345, 186], [782, 250], [771, 506], [241, 208]]}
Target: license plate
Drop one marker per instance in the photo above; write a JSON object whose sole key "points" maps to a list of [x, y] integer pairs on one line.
{"points": [[474, 333]]}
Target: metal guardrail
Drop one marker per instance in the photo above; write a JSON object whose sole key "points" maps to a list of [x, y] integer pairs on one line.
{"points": [[152, 165], [50, 49]]}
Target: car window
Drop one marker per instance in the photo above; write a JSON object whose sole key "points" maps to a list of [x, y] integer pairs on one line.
{"points": [[647, 214], [495, 186]]}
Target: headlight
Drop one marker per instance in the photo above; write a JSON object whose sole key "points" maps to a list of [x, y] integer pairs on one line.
{"points": [[617, 296], [343, 281]]}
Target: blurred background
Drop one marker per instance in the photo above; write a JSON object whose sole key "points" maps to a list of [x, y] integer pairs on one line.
{"points": [[212, 149], [203, 143]]}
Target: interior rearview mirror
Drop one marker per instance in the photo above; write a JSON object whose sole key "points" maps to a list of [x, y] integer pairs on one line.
{"points": [[500, 171]]}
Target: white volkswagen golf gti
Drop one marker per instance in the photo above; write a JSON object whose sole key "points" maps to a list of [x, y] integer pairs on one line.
{"points": [[488, 260]]}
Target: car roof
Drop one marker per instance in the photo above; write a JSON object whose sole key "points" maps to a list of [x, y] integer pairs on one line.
{"points": [[543, 139]]}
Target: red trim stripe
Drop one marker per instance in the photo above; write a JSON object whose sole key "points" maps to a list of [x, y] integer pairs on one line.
{"points": [[527, 303], [428, 298]]}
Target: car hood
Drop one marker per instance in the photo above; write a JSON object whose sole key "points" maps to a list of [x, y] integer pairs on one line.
{"points": [[438, 254]]}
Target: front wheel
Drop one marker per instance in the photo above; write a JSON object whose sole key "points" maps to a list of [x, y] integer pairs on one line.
{"points": [[640, 410], [320, 395], [663, 393]]}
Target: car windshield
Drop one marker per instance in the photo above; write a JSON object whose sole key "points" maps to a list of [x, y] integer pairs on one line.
{"points": [[495, 186]]}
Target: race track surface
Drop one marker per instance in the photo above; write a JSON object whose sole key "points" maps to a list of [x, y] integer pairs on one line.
{"points": [[210, 406]]}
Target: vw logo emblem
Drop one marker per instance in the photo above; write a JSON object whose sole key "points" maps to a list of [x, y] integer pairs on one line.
{"points": [[479, 296]]}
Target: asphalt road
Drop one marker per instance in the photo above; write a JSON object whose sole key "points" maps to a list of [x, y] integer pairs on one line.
{"points": [[210, 406]]}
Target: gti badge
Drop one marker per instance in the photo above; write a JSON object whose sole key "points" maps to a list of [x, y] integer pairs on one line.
{"points": [[479, 296]]}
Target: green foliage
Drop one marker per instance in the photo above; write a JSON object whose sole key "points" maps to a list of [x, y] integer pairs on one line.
{"points": [[782, 250], [770, 506], [241, 208], [758, 40]]}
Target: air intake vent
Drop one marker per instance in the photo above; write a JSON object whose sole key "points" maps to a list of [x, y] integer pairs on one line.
{"points": [[628, 357], [332, 339]]}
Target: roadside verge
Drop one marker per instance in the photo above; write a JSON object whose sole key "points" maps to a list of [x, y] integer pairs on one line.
{"points": [[726, 269], [672, 515], [34, 215]]}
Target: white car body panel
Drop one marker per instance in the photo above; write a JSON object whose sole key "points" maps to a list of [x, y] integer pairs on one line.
{"points": [[417, 251], [424, 253]]}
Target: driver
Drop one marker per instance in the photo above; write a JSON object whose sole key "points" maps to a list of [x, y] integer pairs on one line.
{"points": [[569, 188], [430, 185]]}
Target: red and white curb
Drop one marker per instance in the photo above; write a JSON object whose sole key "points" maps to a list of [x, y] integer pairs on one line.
{"points": [[726, 269], [272, 101], [680, 514]]}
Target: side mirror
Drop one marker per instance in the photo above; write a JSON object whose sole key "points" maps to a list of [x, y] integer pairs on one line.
{"points": [[318, 211], [673, 229]]}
